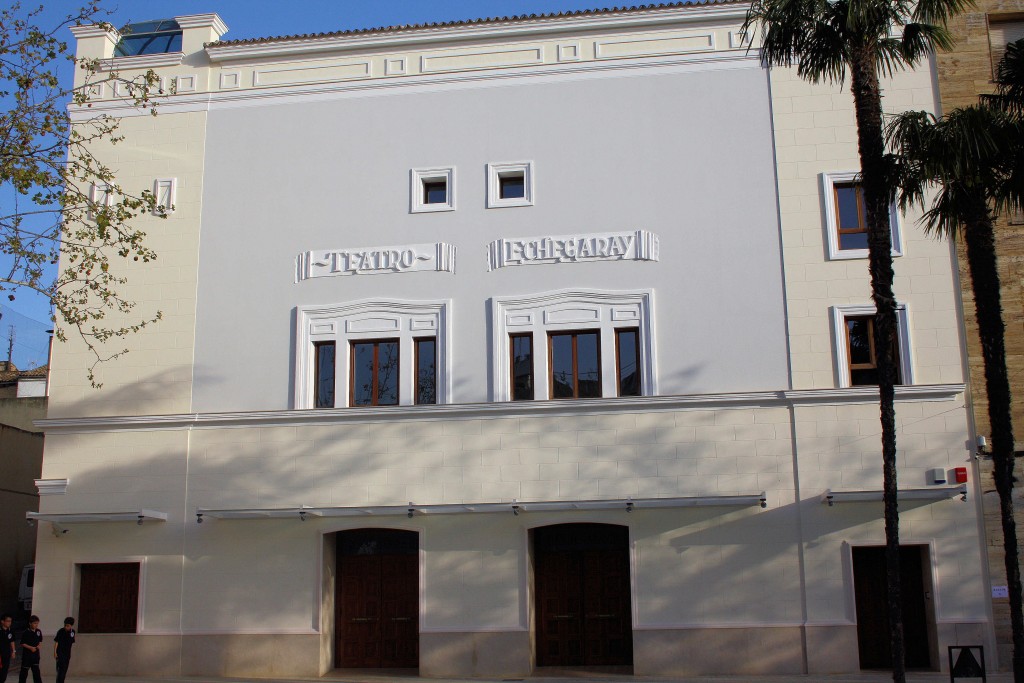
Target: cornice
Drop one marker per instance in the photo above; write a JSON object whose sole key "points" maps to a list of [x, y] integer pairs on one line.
{"points": [[142, 61], [512, 29], [189, 102], [477, 411]]}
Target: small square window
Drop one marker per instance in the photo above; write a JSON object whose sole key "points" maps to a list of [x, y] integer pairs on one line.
{"points": [[846, 218], [510, 184], [432, 190]]}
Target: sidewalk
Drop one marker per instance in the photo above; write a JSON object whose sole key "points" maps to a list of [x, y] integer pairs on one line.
{"points": [[361, 677]]}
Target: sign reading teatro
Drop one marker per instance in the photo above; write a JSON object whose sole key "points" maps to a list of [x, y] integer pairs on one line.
{"points": [[640, 245], [375, 260]]}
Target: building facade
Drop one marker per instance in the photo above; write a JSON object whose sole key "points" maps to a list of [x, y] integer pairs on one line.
{"points": [[964, 73], [500, 345]]}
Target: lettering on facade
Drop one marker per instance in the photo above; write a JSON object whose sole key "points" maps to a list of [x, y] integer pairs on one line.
{"points": [[375, 260], [640, 245]]}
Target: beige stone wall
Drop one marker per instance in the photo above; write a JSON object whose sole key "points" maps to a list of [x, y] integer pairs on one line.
{"points": [[963, 74]]}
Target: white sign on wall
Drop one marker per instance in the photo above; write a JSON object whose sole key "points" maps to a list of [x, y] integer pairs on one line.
{"points": [[375, 260], [640, 245]]}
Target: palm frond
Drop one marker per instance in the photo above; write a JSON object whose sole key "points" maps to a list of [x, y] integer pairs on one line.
{"points": [[1009, 79]]}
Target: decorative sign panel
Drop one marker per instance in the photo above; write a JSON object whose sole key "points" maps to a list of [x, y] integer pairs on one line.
{"points": [[375, 260], [609, 246]]}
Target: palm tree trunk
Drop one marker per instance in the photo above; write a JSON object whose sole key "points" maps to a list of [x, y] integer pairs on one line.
{"points": [[981, 258], [867, 99]]}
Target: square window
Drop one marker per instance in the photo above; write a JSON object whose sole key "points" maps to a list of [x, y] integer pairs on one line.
{"points": [[856, 357], [432, 189], [510, 184], [846, 218]]}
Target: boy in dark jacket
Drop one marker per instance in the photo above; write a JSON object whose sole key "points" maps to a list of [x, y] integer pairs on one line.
{"points": [[62, 643], [31, 639]]}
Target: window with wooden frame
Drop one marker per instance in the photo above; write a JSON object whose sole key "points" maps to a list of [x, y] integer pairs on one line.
{"points": [[108, 597], [856, 359], [324, 374], [627, 361], [521, 356], [846, 217], [425, 359], [374, 373], [575, 362]]}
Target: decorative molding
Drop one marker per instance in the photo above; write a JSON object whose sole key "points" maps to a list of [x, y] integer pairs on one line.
{"points": [[567, 309], [569, 52], [495, 172], [609, 246], [483, 411], [653, 45], [408, 258], [165, 191], [320, 73], [828, 183], [839, 315], [184, 83], [155, 61], [230, 80], [210, 20], [249, 97], [419, 176], [52, 487], [465, 60], [345, 322], [655, 17], [396, 66]]}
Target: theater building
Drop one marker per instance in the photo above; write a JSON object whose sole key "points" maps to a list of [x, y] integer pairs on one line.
{"points": [[500, 345]]}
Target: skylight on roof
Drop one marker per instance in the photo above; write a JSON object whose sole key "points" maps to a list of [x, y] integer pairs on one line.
{"points": [[155, 37]]}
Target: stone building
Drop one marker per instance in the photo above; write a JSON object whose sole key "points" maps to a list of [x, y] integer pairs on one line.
{"points": [[963, 74], [500, 345]]}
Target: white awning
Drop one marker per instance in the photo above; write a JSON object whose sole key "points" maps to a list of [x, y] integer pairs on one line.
{"points": [[932, 493], [515, 507], [138, 517]]}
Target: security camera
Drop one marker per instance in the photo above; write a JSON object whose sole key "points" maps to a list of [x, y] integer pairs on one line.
{"points": [[58, 530]]}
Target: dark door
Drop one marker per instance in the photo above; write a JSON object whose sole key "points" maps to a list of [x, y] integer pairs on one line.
{"points": [[581, 576], [872, 607], [108, 597], [377, 599]]}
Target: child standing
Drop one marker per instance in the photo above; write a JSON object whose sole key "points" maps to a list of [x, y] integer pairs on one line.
{"points": [[31, 639]]}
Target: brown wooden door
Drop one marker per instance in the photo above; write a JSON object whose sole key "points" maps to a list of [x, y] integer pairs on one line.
{"points": [[872, 607], [377, 599], [581, 576], [108, 597]]}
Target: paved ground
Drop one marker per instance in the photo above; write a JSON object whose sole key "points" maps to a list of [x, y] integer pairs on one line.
{"points": [[567, 678]]}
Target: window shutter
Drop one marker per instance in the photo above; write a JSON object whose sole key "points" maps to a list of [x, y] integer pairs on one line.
{"points": [[1000, 33]]}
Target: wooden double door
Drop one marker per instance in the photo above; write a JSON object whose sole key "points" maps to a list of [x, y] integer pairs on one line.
{"points": [[377, 599], [582, 589], [871, 599]]}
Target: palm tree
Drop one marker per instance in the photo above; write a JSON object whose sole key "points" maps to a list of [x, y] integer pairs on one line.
{"points": [[974, 156], [825, 39]]}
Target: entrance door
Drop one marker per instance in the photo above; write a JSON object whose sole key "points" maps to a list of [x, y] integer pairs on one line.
{"points": [[377, 599], [581, 576], [872, 607]]}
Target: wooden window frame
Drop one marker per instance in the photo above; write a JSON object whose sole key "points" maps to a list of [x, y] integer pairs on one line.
{"points": [[376, 370], [618, 361], [416, 341], [862, 221], [316, 373], [512, 365], [873, 363], [575, 363]]}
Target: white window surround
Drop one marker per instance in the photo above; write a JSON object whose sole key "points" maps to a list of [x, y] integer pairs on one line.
{"points": [[839, 315], [572, 309], [828, 183], [76, 583], [419, 176], [371, 319], [494, 174], [164, 189]]}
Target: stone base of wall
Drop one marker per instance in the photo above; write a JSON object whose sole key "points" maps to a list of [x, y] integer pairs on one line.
{"points": [[472, 655], [710, 651], [832, 649]]}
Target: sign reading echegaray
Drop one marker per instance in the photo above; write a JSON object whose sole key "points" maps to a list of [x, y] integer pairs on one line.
{"points": [[375, 260], [639, 245]]}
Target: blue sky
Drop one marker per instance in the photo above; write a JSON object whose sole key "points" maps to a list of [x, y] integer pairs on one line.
{"points": [[29, 314]]}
